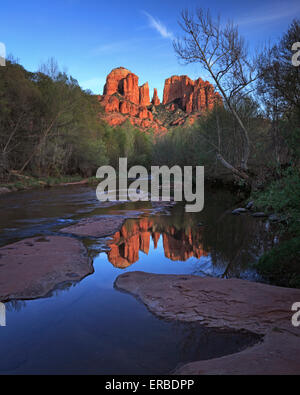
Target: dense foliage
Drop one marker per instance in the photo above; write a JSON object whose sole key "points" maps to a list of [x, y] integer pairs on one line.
{"points": [[49, 126]]}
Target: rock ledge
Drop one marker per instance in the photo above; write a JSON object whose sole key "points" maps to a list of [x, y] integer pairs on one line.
{"points": [[226, 304]]}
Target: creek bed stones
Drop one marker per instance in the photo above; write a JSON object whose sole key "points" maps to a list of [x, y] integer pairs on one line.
{"points": [[240, 210], [228, 304], [34, 267]]}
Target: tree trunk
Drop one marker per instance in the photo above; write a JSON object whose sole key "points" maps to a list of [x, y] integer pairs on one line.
{"points": [[239, 173]]}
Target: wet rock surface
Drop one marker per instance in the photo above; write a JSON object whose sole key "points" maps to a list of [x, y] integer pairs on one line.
{"points": [[239, 211], [231, 304], [97, 227], [34, 267], [107, 225]]}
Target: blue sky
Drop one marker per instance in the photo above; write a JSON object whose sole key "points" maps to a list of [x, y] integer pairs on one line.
{"points": [[89, 38]]}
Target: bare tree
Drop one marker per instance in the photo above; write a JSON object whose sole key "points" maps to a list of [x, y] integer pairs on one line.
{"points": [[222, 52]]}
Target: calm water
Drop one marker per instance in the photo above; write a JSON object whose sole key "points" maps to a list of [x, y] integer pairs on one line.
{"points": [[92, 328]]}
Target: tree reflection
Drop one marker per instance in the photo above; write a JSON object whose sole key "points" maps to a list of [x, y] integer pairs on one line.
{"points": [[232, 243]]}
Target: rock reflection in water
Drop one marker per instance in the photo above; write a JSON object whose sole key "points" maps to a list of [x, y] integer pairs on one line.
{"points": [[230, 244], [135, 236]]}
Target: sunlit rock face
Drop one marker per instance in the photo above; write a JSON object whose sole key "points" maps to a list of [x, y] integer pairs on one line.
{"points": [[144, 97], [125, 83], [155, 99], [129, 88], [114, 81], [135, 236], [123, 99], [184, 100], [177, 88], [190, 96]]}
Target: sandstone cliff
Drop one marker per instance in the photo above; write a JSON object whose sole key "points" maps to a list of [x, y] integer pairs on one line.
{"points": [[184, 100], [124, 99], [190, 96], [155, 100]]}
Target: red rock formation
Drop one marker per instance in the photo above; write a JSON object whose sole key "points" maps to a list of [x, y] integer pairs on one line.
{"points": [[123, 100], [129, 108], [190, 96], [130, 88], [113, 80], [177, 122], [144, 95], [177, 88], [145, 114], [112, 104], [155, 100]]}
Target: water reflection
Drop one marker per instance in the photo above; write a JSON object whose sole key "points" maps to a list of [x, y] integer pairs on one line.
{"points": [[77, 330], [230, 244], [135, 236]]}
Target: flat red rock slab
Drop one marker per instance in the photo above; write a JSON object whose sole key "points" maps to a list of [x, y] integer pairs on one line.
{"points": [[96, 227], [230, 304], [34, 267], [108, 225]]}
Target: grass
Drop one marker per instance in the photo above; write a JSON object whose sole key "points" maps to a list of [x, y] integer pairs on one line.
{"points": [[282, 195]]}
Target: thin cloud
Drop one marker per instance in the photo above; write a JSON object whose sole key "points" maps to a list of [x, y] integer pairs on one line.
{"points": [[158, 26]]}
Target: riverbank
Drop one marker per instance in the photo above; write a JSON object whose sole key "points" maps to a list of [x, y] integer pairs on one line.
{"points": [[24, 182], [279, 200], [20, 181], [226, 304]]}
